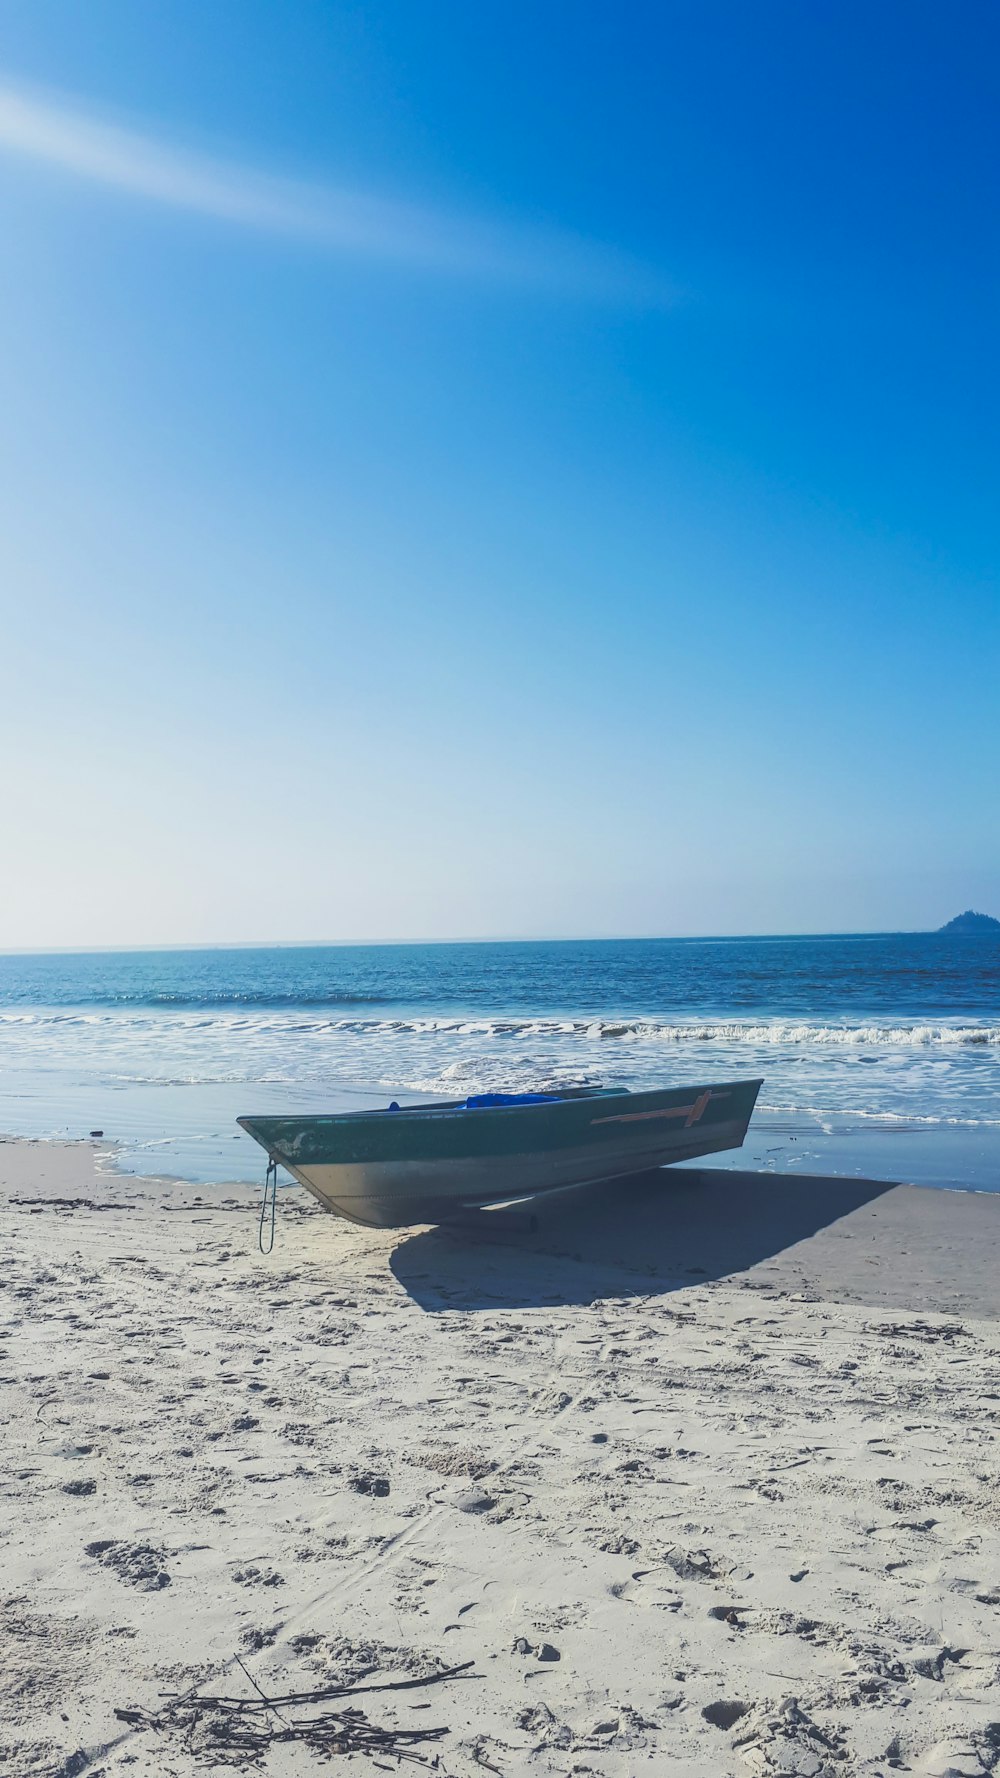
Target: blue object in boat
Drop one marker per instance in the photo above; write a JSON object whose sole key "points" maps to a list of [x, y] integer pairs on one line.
{"points": [[485, 1101]]}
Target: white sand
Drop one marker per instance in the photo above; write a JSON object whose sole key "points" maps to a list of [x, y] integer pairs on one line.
{"points": [[728, 1446]]}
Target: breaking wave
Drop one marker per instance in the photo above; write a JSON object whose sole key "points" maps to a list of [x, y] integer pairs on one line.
{"points": [[777, 1032], [759, 1034]]}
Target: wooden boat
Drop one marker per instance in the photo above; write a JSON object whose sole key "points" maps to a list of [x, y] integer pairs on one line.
{"points": [[426, 1163]]}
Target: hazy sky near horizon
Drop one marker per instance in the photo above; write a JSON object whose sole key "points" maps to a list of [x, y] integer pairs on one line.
{"points": [[497, 470]]}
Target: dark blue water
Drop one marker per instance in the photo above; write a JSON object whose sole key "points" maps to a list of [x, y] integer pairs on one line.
{"points": [[895, 1036], [891, 978]]}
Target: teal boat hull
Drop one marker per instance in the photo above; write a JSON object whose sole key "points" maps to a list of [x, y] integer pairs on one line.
{"points": [[426, 1163]]}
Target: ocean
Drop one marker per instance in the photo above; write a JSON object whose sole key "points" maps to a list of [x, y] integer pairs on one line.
{"points": [[880, 1053]]}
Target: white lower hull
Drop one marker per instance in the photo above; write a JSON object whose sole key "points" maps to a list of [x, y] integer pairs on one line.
{"points": [[392, 1194]]}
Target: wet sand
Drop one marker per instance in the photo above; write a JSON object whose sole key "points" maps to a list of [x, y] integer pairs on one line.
{"points": [[699, 1476]]}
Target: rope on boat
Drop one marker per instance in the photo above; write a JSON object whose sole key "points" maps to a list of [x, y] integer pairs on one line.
{"points": [[270, 1187]]}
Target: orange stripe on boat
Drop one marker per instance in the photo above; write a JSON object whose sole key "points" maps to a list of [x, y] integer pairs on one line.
{"points": [[690, 1113]]}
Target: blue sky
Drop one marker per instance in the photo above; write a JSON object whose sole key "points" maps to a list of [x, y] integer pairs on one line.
{"points": [[497, 470]]}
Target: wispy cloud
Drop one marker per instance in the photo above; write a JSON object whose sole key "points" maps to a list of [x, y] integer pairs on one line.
{"points": [[355, 223]]}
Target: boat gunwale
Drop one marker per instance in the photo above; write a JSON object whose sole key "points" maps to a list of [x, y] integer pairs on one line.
{"points": [[452, 1108]]}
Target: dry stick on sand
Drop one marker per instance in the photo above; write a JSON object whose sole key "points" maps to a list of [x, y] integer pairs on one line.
{"points": [[240, 1726]]}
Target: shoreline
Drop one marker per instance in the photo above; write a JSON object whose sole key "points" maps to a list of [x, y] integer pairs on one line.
{"points": [[702, 1475], [192, 1127], [879, 1057]]}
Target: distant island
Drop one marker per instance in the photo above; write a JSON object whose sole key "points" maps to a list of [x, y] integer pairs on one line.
{"points": [[970, 922]]}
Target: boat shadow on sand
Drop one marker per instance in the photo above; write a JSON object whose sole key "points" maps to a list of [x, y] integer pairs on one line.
{"points": [[646, 1236]]}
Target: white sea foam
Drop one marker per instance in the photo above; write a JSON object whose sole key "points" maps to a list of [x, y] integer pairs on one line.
{"points": [[933, 1072], [779, 1032], [865, 1114], [647, 1030]]}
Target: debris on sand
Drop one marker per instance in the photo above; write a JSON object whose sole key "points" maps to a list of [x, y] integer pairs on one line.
{"points": [[232, 1731]]}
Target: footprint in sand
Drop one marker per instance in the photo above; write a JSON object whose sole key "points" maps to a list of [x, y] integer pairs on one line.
{"points": [[725, 1713], [654, 1588], [696, 1565], [138, 1564], [465, 1500], [254, 1576], [366, 1482]]}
